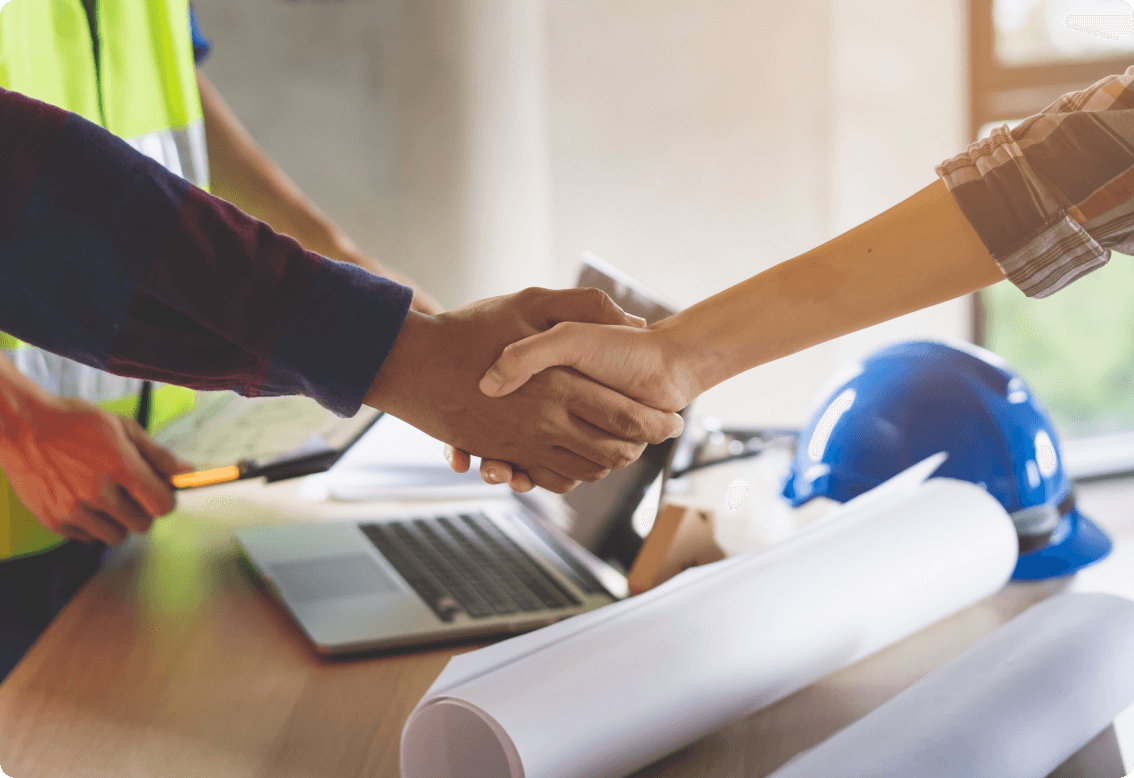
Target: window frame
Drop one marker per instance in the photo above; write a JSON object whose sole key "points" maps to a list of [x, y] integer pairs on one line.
{"points": [[999, 92]]}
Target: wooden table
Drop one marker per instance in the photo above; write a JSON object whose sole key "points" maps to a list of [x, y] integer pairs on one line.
{"points": [[171, 662]]}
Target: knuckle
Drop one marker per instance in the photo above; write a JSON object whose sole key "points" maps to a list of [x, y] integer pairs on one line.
{"points": [[588, 473], [630, 454], [658, 426], [566, 487], [660, 433], [628, 421], [531, 294], [512, 355], [596, 301]]}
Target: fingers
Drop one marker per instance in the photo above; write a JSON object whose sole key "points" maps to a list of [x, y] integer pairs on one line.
{"points": [[118, 506], [162, 460], [564, 344], [98, 525], [495, 472], [458, 460], [110, 519], [619, 416], [520, 482], [605, 451], [570, 465], [72, 532], [550, 480], [146, 472], [585, 305]]}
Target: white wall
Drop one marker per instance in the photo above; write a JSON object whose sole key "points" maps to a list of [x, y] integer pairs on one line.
{"points": [[481, 144]]}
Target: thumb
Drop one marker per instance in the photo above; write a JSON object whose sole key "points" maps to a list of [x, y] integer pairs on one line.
{"points": [[587, 304], [560, 345], [152, 468], [162, 460]]}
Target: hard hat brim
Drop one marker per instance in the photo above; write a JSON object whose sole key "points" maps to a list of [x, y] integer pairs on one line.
{"points": [[1084, 545]]}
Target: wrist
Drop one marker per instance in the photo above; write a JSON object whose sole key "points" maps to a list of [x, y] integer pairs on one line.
{"points": [[689, 356], [393, 388]]}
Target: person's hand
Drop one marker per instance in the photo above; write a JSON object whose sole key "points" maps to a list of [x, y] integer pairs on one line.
{"points": [[646, 364], [492, 471], [496, 472], [85, 473], [643, 363], [560, 428]]}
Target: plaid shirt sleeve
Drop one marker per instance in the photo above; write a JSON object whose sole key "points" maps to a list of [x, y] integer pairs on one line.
{"points": [[109, 259], [1052, 197]]}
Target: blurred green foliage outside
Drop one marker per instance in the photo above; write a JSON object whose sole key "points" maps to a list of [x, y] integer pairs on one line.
{"points": [[1075, 349]]}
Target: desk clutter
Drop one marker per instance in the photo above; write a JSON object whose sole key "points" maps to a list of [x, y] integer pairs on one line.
{"points": [[605, 693]]}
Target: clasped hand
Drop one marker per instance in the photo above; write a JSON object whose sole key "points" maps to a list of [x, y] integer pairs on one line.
{"points": [[559, 428], [647, 364]]}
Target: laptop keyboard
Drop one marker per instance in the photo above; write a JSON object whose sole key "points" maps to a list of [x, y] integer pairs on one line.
{"points": [[464, 563]]}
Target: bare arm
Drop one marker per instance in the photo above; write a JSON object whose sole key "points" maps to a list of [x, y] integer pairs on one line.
{"points": [[917, 254], [243, 174]]}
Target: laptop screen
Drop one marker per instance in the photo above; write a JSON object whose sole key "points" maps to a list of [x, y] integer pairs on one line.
{"points": [[605, 511]]}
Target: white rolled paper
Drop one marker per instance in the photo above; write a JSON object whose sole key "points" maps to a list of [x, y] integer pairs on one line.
{"points": [[1015, 705], [602, 694]]}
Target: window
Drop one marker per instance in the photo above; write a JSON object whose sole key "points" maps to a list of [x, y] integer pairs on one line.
{"points": [[1076, 348], [1023, 54]]}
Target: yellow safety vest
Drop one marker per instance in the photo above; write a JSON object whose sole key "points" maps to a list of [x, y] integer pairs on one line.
{"points": [[144, 89]]}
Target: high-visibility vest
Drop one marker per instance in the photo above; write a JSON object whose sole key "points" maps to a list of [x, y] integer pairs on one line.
{"points": [[144, 90]]}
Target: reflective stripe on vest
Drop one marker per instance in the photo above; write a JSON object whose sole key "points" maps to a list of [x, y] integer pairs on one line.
{"points": [[179, 151], [144, 90], [68, 378]]}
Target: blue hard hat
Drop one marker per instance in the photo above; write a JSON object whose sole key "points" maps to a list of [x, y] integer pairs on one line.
{"points": [[912, 400]]}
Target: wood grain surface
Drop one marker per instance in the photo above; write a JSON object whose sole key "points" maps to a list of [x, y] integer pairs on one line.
{"points": [[172, 662]]}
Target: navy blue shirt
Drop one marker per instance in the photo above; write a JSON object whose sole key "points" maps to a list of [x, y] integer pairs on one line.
{"points": [[108, 258]]}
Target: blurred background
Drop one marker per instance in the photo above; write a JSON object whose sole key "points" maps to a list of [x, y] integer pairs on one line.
{"points": [[481, 145]]}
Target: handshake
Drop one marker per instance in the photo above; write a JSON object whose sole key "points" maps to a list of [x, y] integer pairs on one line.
{"points": [[549, 388]]}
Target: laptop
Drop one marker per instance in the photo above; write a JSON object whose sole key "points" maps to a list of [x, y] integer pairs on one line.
{"points": [[469, 569]]}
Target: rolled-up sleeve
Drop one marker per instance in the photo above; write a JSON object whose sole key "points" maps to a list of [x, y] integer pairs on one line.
{"points": [[1053, 196]]}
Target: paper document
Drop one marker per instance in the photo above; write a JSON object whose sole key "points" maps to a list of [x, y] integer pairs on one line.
{"points": [[1015, 705], [394, 460], [603, 694], [225, 428]]}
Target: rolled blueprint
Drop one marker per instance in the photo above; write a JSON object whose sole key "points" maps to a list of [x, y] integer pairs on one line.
{"points": [[602, 694], [1015, 705]]}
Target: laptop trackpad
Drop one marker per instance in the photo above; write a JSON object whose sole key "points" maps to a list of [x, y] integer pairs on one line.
{"points": [[330, 578]]}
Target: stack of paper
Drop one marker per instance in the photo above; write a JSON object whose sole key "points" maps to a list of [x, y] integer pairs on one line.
{"points": [[1015, 705], [603, 694]]}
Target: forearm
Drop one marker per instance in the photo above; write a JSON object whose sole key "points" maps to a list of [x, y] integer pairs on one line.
{"points": [[919, 253], [109, 259], [240, 172]]}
